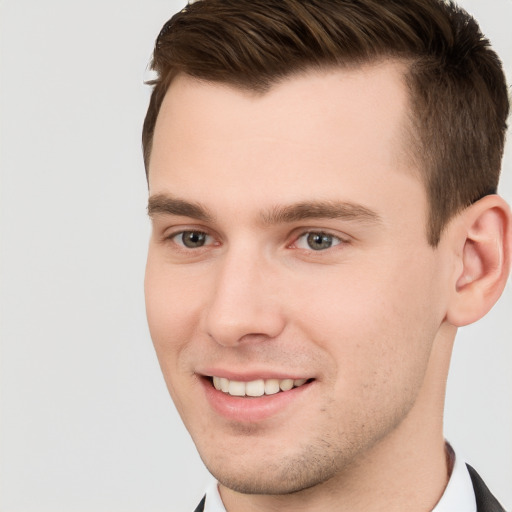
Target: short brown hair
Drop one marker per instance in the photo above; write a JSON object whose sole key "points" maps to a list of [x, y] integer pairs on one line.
{"points": [[457, 85]]}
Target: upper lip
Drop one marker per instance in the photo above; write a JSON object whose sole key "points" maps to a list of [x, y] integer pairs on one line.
{"points": [[248, 376]]}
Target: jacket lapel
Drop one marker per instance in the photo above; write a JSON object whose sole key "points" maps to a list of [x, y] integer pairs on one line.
{"points": [[200, 507], [485, 501]]}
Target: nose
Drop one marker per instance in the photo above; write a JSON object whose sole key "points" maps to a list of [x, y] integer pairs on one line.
{"points": [[244, 305]]}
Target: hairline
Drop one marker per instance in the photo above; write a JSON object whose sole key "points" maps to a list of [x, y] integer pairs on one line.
{"points": [[270, 83]]}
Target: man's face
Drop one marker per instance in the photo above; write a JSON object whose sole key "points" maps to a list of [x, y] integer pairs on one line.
{"points": [[289, 249]]}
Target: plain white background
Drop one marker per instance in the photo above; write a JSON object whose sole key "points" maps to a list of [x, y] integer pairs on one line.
{"points": [[86, 423]]}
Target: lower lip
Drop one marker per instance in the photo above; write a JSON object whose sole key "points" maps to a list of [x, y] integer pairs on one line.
{"points": [[251, 409]]}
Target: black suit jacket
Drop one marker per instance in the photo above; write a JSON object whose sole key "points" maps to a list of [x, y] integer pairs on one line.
{"points": [[485, 501]]}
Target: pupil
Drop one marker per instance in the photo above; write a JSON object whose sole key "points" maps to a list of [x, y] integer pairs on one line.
{"points": [[193, 239], [318, 241]]}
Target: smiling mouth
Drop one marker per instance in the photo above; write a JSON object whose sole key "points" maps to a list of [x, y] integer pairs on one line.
{"points": [[256, 388]]}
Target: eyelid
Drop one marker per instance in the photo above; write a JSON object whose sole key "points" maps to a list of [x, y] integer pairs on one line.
{"points": [[171, 233], [168, 230]]}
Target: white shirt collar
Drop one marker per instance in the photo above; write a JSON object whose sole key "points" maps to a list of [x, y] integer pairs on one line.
{"points": [[213, 501], [458, 496]]}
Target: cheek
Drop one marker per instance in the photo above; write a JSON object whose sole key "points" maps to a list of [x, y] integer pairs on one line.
{"points": [[172, 309], [377, 323]]}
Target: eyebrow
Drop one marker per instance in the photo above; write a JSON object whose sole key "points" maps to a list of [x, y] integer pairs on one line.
{"points": [[321, 210], [168, 205]]}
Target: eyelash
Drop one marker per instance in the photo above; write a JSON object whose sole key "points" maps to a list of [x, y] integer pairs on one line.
{"points": [[330, 239]]}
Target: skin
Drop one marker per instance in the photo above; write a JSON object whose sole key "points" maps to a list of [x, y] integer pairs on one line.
{"points": [[367, 319]]}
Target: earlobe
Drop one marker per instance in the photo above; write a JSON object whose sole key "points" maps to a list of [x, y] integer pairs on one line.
{"points": [[486, 238]]}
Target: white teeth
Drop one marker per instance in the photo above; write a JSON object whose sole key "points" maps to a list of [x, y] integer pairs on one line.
{"points": [[255, 388], [271, 386], [224, 384], [236, 388], [286, 384]]}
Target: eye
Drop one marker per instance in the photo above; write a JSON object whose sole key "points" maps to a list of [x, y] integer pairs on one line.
{"points": [[317, 241], [191, 239]]}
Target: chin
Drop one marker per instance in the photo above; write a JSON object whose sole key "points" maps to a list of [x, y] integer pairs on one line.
{"points": [[294, 481], [287, 475]]}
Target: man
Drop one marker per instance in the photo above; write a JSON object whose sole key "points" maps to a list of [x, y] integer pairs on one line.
{"points": [[322, 178]]}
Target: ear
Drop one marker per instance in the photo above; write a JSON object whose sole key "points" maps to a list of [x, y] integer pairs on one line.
{"points": [[484, 238]]}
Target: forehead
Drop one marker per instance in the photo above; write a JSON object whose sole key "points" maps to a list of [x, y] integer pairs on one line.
{"points": [[298, 139]]}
